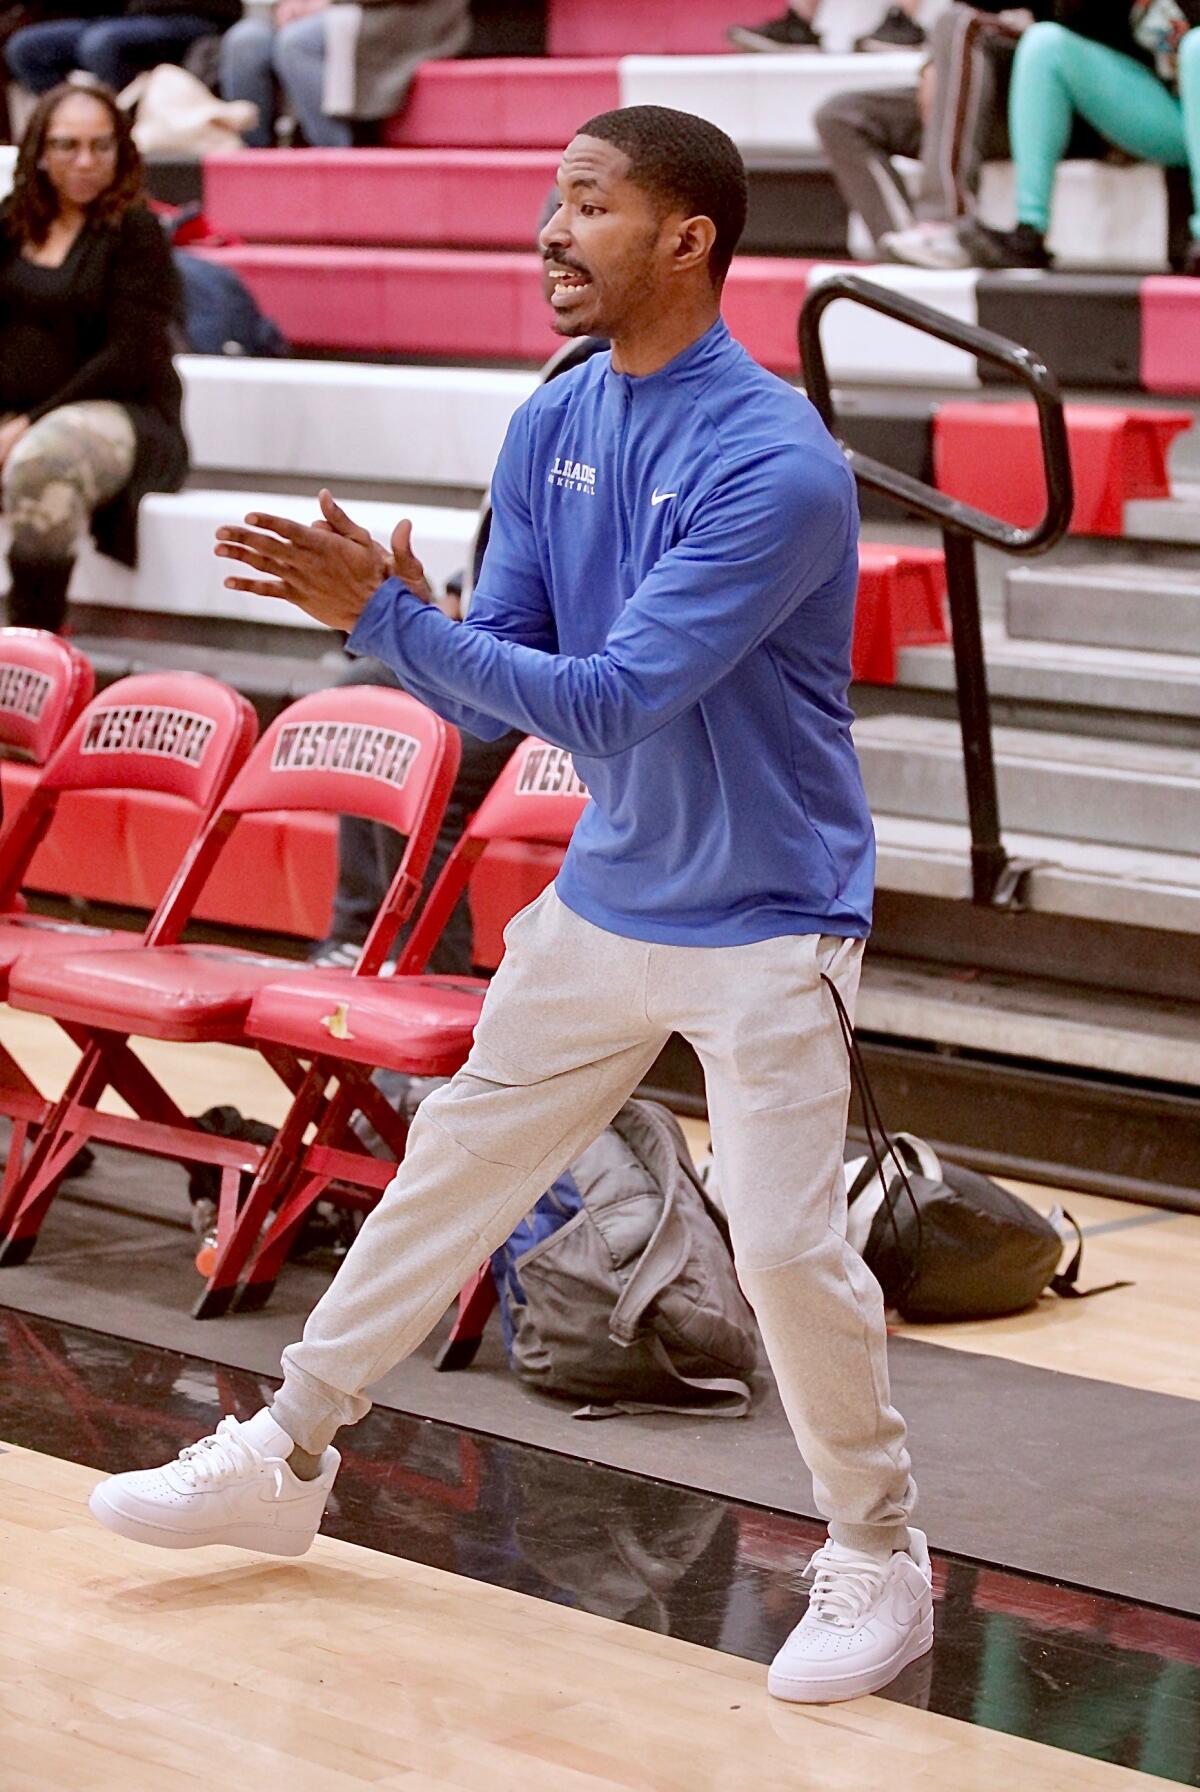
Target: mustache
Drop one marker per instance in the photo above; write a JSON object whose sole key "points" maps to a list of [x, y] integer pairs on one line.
{"points": [[571, 267]]}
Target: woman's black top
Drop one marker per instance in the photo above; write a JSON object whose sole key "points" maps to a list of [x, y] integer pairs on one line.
{"points": [[99, 327], [1111, 22]]}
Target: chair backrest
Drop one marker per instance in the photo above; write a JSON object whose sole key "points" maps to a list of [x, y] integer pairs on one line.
{"points": [[44, 683], [353, 750], [536, 800], [539, 796], [180, 734]]}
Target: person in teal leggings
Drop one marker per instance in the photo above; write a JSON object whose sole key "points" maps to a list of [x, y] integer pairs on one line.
{"points": [[1133, 73]]}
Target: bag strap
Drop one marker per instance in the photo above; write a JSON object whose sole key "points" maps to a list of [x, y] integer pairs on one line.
{"points": [[872, 1120], [1064, 1284], [722, 1397]]}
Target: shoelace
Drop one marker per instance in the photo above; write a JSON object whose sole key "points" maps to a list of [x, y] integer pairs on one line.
{"points": [[843, 1589], [225, 1454]]}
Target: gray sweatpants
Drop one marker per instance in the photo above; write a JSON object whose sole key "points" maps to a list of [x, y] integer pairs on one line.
{"points": [[573, 1020], [862, 132]]}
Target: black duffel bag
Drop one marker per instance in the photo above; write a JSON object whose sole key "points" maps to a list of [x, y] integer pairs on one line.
{"points": [[947, 1243]]}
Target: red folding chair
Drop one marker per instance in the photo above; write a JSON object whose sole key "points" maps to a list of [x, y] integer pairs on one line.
{"points": [[180, 735], [346, 1026], [361, 750]]}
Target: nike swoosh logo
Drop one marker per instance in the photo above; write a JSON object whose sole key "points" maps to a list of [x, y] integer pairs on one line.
{"points": [[657, 497]]}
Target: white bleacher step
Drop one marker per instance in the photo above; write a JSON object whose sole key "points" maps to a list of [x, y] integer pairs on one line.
{"points": [[1067, 674], [1145, 608], [1121, 793], [438, 426], [178, 573], [1019, 1018], [763, 101], [1174, 519], [1080, 878], [863, 347]]}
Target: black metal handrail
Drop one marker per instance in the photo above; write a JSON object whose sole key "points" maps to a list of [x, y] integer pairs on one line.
{"points": [[995, 879]]}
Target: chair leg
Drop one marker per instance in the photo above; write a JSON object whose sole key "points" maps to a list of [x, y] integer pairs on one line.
{"points": [[305, 1190], [23, 1206], [238, 1234], [475, 1303]]}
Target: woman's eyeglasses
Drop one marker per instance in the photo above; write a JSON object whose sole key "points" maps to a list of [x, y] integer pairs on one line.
{"points": [[71, 147]]}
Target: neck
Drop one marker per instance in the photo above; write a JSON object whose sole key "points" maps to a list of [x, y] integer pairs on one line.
{"points": [[70, 217], [645, 348]]}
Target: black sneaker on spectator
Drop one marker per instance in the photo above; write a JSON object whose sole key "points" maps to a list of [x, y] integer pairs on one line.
{"points": [[335, 955], [790, 32], [1023, 247], [895, 31]]}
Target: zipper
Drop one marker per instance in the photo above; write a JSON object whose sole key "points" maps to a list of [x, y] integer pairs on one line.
{"points": [[622, 511]]}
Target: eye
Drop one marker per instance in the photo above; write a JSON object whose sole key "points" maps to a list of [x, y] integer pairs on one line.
{"points": [[591, 210]]}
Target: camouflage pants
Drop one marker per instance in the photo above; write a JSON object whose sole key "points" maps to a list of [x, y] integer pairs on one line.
{"points": [[69, 462]]}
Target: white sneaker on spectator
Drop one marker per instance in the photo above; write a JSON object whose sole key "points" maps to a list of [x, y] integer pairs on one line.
{"points": [[234, 1487], [866, 1620], [926, 245], [335, 955]]}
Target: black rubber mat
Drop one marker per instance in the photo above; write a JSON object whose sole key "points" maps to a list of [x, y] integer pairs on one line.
{"points": [[1056, 1475]]}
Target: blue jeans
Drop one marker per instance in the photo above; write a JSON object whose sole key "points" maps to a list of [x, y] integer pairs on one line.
{"points": [[114, 50], [254, 56]]}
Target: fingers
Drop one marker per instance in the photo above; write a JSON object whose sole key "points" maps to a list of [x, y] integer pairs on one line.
{"points": [[261, 589], [299, 534], [263, 558], [339, 522]]}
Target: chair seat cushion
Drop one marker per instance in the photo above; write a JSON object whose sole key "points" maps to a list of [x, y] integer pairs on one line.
{"points": [[423, 1025], [157, 992], [39, 935]]}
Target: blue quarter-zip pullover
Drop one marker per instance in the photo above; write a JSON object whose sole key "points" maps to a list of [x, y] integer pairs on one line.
{"points": [[668, 592]]}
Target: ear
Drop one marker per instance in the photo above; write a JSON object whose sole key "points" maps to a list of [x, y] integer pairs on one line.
{"points": [[694, 238]]}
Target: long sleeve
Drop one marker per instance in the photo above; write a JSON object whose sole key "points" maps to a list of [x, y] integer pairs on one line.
{"points": [[508, 601], [736, 574], [144, 288]]}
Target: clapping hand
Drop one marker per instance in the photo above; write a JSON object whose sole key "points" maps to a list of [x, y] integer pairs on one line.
{"points": [[329, 569]]}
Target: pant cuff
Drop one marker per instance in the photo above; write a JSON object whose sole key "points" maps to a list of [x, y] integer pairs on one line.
{"points": [[879, 1540]]}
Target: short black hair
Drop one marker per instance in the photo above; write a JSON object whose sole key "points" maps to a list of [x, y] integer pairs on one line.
{"points": [[687, 162]]}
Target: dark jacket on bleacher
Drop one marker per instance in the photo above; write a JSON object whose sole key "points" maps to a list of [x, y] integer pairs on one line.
{"points": [[101, 332]]}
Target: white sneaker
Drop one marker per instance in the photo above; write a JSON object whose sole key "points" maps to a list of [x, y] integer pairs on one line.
{"points": [[233, 1487], [866, 1620], [926, 245]]}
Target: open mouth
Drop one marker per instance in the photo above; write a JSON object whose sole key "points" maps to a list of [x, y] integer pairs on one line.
{"points": [[569, 286]]}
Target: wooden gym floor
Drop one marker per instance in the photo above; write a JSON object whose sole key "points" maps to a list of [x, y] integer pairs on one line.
{"points": [[486, 1614]]}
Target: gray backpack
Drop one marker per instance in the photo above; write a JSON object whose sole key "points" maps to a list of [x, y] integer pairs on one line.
{"points": [[633, 1304]]}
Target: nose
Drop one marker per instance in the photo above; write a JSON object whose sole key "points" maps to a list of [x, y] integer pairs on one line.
{"points": [[554, 232]]}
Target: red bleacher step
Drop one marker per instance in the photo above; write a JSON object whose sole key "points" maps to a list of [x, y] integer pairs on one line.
{"points": [[476, 304], [638, 27], [504, 102], [901, 603], [415, 197], [1170, 334], [990, 455]]}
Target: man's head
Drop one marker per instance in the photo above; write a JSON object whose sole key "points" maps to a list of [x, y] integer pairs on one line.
{"points": [[653, 202]]}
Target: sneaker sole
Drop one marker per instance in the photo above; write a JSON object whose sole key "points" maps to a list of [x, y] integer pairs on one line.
{"points": [[747, 40], [266, 1540], [881, 47], [853, 1686]]}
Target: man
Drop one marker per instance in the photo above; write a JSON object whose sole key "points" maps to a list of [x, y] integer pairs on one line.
{"points": [[668, 593], [952, 125]]}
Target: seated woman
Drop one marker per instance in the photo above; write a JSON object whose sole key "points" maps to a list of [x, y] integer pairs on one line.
{"points": [[88, 391], [1132, 71], [336, 63]]}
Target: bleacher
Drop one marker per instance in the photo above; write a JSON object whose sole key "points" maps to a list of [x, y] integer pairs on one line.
{"points": [[405, 275]]}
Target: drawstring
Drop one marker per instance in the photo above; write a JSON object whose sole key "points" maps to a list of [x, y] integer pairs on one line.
{"points": [[872, 1119]]}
